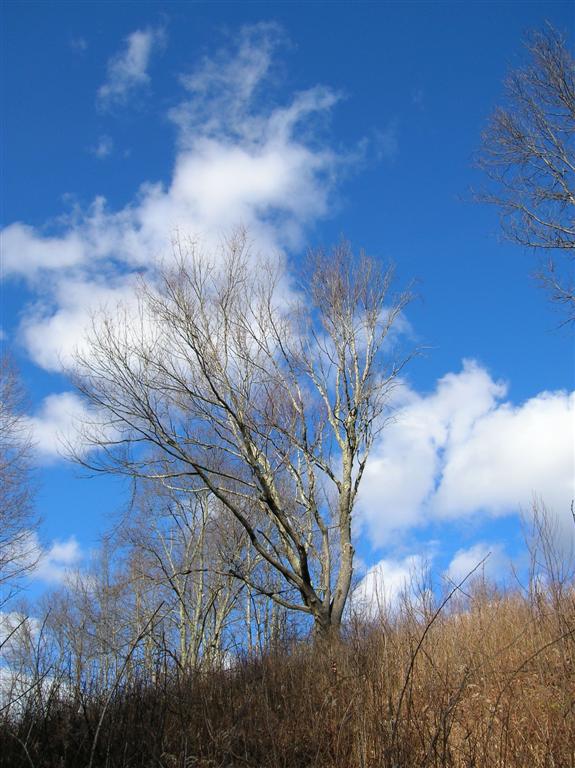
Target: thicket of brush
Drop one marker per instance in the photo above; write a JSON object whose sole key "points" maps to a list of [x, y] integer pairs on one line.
{"points": [[486, 681]]}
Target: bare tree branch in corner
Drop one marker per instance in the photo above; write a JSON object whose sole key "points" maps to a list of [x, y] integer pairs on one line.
{"points": [[528, 151]]}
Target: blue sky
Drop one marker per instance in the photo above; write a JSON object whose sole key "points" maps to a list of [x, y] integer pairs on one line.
{"points": [[123, 121]]}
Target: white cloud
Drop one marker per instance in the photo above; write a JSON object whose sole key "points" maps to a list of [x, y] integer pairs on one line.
{"points": [[492, 558], [58, 563], [384, 584], [55, 426], [55, 564], [21, 639], [25, 251], [511, 453], [103, 147], [238, 164], [463, 450], [128, 69], [15, 628], [389, 580], [53, 331], [223, 87], [61, 425]]}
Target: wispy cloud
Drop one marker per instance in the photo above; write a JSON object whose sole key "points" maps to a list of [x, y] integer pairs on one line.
{"points": [[79, 44], [386, 141], [128, 69], [418, 98], [103, 147]]}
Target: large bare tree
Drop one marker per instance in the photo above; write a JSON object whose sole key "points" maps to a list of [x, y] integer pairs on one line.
{"points": [[263, 393], [528, 151]]}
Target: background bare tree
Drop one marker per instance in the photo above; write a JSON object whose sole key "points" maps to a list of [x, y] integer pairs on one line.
{"points": [[528, 152], [180, 549], [17, 520], [267, 399]]}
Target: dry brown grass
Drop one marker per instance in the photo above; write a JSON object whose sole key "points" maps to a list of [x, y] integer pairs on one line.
{"points": [[491, 684]]}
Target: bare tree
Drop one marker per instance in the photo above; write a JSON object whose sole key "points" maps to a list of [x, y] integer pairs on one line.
{"points": [[17, 520], [181, 548], [528, 152], [265, 396]]}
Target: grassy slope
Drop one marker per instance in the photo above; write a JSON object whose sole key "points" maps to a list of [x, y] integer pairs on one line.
{"points": [[492, 684]]}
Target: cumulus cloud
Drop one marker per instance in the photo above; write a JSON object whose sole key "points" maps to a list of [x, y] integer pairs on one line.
{"points": [[128, 69], [55, 564], [26, 251], [238, 163], [511, 453], [457, 451], [492, 558], [55, 426], [20, 636], [463, 450], [54, 329], [389, 580], [384, 583]]}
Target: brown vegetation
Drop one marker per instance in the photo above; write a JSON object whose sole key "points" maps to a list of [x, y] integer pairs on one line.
{"points": [[491, 684]]}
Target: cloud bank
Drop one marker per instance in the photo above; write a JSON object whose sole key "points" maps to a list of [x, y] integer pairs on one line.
{"points": [[464, 450], [238, 163]]}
